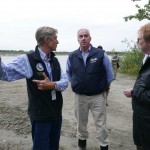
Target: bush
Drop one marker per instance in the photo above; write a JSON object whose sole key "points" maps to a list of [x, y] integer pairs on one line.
{"points": [[131, 60]]}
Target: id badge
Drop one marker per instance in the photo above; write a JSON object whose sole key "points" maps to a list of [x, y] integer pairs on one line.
{"points": [[53, 95]]}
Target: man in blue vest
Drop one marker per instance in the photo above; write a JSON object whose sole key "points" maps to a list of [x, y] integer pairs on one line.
{"points": [[90, 73], [45, 82]]}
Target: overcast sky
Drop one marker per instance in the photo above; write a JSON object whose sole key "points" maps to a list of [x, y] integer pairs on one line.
{"points": [[19, 20]]}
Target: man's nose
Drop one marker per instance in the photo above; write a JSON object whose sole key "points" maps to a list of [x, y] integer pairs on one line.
{"points": [[83, 37], [57, 42]]}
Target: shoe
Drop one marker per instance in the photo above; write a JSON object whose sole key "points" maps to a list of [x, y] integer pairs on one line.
{"points": [[81, 144], [104, 147], [139, 147], [81, 148], [106, 103]]}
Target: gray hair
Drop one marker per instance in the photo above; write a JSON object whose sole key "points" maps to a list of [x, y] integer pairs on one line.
{"points": [[83, 29], [43, 32]]}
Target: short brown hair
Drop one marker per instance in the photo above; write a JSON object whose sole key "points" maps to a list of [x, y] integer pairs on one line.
{"points": [[145, 31]]}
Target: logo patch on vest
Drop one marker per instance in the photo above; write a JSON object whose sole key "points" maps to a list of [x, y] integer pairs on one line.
{"points": [[93, 60], [39, 67]]}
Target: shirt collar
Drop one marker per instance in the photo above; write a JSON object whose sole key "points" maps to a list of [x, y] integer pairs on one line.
{"points": [[43, 55], [89, 49]]}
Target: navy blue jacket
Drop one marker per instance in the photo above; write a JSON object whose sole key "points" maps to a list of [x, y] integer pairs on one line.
{"points": [[90, 79], [41, 106]]}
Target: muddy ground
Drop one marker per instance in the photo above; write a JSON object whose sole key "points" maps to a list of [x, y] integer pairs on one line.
{"points": [[15, 125]]}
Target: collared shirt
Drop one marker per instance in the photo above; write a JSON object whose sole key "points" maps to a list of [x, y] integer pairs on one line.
{"points": [[106, 62], [145, 58], [85, 55], [46, 59], [20, 68]]}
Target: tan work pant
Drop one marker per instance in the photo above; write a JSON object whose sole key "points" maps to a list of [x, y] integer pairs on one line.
{"points": [[115, 69], [97, 105]]}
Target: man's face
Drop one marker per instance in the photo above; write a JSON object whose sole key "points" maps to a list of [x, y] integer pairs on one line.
{"points": [[143, 45], [84, 39], [52, 43]]}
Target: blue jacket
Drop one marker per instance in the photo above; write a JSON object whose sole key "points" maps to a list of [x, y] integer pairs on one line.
{"points": [[41, 106], [90, 79]]}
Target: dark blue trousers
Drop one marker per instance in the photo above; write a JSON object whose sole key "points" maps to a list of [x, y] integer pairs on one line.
{"points": [[46, 134]]}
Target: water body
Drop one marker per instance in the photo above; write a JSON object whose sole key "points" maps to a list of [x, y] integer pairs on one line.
{"points": [[62, 59]]}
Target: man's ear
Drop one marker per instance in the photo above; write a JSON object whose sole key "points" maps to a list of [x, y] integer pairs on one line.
{"points": [[46, 39]]}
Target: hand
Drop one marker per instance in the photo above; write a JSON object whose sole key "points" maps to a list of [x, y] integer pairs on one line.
{"points": [[45, 84], [127, 93]]}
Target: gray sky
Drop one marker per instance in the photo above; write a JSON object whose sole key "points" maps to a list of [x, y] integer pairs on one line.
{"points": [[19, 20]]}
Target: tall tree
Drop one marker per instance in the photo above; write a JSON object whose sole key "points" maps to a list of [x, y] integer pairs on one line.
{"points": [[142, 12]]}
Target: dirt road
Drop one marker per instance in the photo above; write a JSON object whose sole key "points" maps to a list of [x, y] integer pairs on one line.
{"points": [[15, 126]]}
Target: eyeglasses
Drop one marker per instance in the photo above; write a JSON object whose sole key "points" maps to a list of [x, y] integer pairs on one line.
{"points": [[138, 39]]}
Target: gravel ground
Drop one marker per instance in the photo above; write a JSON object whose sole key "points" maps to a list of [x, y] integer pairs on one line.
{"points": [[15, 126]]}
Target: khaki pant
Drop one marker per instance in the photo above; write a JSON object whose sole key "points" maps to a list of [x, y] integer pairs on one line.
{"points": [[115, 70], [97, 105]]}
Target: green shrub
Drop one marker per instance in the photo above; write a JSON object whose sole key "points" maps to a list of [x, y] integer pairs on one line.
{"points": [[130, 62]]}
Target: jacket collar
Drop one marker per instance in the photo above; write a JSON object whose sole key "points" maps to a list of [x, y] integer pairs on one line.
{"points": [[40, 56], [92, 51]]}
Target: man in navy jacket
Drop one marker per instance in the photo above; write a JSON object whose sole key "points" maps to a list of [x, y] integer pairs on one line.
{"points": [[45, 82], [90, 73]]}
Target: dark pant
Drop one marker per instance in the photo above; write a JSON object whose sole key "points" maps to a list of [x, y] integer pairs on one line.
{"points": [[141, 131], [104, 147], [46, 134]]}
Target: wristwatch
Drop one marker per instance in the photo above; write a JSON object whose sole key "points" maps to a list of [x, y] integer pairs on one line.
{"points": [[55, 86]]}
